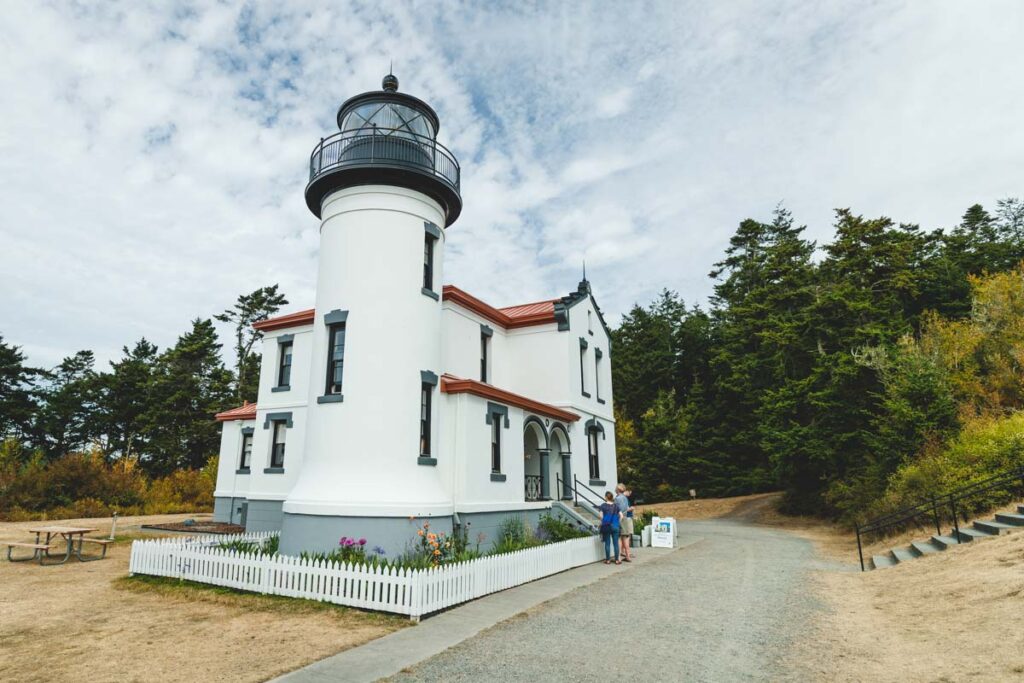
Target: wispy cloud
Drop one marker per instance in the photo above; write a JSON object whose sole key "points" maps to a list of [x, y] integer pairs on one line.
{"points": [[153, 156]]}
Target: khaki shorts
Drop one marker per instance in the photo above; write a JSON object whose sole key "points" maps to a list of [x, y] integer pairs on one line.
{"points": [[626, 526]]}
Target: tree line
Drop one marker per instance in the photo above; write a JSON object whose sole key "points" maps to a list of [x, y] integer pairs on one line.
{"points": [[831, 371], [153, 407]]}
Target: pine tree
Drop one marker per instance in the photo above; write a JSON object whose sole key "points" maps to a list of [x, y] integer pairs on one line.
{"points": [[17, 392], [190, 386], [65, 420], [249, 309], [127, 400]]}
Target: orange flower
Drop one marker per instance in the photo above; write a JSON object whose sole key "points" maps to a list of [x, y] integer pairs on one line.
{"points": [[437, 552], [432, 536], [420, 532]]}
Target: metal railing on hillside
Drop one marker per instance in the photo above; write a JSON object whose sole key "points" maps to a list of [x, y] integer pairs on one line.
{"points": [[935, 510]]}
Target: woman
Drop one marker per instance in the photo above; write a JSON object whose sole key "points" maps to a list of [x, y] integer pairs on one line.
{"points": [[610, 527]]}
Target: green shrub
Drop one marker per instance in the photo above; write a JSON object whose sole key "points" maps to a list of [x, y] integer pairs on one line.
{"points": [[985, 447], [555, 529]]}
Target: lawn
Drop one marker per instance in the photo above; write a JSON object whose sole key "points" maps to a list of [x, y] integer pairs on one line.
{"points": [[89, 621]]}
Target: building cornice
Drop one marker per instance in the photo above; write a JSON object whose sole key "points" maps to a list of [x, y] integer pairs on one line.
{"points": [[457, 385]]}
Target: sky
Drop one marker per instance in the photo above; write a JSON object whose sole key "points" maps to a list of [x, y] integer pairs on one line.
{"points": [[153, 155]]}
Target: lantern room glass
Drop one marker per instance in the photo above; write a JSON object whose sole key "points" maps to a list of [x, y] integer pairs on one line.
{"points": [[390, 119]]}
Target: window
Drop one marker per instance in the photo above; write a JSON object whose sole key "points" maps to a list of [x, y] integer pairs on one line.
{"points": [[425, 394], [485, 341], [277, 450], [496, 443], [583, 367], [590, 322], [597, 374], [335, 358], [428, 262], [284, 369], [246, 451], [595, 468]]}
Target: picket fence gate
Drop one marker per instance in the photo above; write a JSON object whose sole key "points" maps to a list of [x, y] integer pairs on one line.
{"points": [[413, 592]]}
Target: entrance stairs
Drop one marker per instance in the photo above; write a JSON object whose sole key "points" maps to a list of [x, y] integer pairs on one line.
{"points": [[1002, 523]]}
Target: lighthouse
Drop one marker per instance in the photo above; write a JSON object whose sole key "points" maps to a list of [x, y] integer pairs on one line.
{"points": [[384, 191]]}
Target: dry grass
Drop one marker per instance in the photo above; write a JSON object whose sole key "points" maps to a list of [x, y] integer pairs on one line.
{"points": [[951, 616], [706, 508], [87, 621]]}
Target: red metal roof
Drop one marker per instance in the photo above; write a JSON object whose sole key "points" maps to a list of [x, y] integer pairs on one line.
{"points": [[283, 321], [511, 317], [450, 384], [242, 412]]}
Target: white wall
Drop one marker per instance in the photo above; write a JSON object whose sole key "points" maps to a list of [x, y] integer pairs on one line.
{"points": [[361, 454], [229, 483]]}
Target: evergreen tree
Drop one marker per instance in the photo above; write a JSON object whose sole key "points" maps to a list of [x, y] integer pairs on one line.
{"points": [[17, 389], [126, 401], [65, 421], [249, 309], [190, 385]]}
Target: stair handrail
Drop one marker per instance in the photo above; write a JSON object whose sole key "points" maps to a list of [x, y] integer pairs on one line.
{"points": [[576, 484], [950, 499]]}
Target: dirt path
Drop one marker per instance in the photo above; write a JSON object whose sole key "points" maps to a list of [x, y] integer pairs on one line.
{"points": [[727, 608]]}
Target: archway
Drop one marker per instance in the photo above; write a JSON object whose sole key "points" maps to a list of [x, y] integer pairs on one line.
{"points": [[561, 460], [535, 460]]}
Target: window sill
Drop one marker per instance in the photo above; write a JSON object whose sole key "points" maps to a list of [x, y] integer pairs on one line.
{"points": [[429, 292], [597, 482], [243, 470], [425, 460], [283, 387], [601, 400], [273, 470], [498, 476], [585, 394], [330, 398]]}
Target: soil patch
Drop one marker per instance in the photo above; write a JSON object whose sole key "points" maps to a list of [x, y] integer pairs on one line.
{"points": [[198, 527], [708, 508], [88, 622]]}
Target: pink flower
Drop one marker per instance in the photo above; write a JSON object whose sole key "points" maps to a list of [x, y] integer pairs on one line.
{"points": [[362, 541]]}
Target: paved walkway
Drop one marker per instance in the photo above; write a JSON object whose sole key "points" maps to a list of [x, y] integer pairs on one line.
{"points": [[723, 609]]}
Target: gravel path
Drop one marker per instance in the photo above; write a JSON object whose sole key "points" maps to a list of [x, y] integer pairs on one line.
{"points": [[724, 609]]}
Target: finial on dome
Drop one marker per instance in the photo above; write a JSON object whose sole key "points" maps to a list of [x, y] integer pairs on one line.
{"points": [[390, 82]]}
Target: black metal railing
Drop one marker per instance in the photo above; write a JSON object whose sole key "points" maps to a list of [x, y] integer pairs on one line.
{"points": [[589, 496], [385, 147], [950, 506], [533, 486]]}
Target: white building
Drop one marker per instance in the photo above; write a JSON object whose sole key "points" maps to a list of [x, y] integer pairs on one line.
{"points": [[396, 398]]}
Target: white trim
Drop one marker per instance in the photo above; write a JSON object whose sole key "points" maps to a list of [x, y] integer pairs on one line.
{"points": [[334, 509], [502, 507]]}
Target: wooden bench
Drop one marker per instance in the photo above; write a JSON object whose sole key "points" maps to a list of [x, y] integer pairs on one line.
{"points": [[37, 550], [103, 542]]}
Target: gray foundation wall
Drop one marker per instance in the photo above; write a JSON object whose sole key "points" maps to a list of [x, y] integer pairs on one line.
{"points": [[264, 515], [229, 510], [316, 533], [489, 523]]}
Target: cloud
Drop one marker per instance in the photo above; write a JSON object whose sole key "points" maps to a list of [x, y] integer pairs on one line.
{"points": [[153, 156]]}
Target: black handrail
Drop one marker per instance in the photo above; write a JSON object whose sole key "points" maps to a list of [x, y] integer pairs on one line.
{"points": [[385, 147], [933, 505], [576, 483]]}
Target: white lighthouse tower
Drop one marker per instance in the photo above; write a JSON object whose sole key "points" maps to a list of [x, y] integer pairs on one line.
{"points": [[384, 191]]}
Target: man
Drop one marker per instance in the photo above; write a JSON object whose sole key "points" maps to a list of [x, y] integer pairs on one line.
{"points": [[626, 523]]}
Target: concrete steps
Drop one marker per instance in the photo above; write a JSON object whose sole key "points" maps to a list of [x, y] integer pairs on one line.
{"points": [[1002, 523]]}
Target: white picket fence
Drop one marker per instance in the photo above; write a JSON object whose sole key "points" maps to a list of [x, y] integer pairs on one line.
{"points": [[414, 592]]}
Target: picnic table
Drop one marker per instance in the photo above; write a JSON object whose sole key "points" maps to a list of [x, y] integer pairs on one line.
{"points": [[41, 549]]}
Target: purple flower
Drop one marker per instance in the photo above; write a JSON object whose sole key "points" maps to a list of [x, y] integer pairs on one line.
{"points": [[362, 541], [348, 542], [380, 551]]}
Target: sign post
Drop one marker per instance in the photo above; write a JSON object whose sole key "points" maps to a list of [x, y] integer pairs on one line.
{"points": [[663, 532]]}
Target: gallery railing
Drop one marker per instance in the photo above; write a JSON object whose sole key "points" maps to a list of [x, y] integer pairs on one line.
{"points": [[533, 487], [375, 146], [951, 506]]}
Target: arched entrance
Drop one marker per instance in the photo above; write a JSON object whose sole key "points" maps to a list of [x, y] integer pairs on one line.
{"points": [[536, 479], [561, 461]]}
